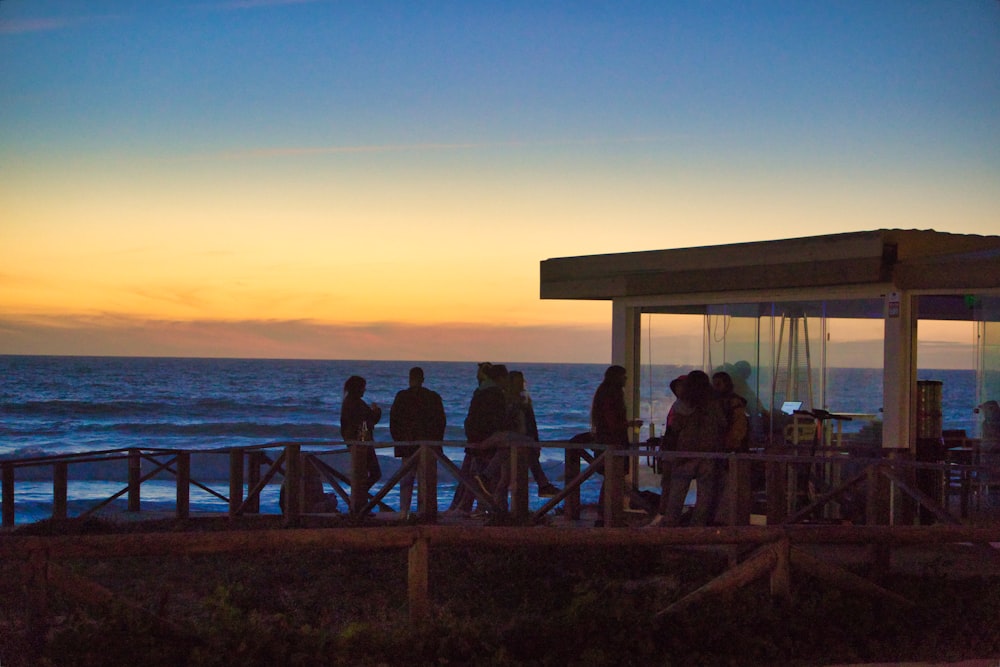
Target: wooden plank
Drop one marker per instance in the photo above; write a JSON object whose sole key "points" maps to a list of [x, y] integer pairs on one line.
{"points": [[427, 505], [359, 477], [781, 575], [274, 467], [8, 495], [255, 460], [759, 564], [236, 460], [853, 481], [877, 509], [776, 473], [134, 479], [183, 484], [519, 508], [60, 480], [614, 490], [293, 484], [401, 537], [571, 471]]}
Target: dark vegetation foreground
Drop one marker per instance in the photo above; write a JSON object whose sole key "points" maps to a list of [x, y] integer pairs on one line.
{"points": [[532, 606]]}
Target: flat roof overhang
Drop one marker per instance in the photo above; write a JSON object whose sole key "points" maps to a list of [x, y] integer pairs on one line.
{"points": [[920, 260]]}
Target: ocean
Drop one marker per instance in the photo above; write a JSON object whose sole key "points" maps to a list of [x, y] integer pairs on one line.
{"points": [[56, 404]]}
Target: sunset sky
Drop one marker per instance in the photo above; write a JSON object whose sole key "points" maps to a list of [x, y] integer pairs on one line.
{"points": [[348, 179]]}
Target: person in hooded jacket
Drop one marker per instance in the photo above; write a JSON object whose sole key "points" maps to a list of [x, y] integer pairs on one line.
{"points": [[701, 427]]}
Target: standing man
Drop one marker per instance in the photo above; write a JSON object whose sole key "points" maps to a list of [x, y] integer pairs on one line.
{"points": [[609, 420], [417, 413]]}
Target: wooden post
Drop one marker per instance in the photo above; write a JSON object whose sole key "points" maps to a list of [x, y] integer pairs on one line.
{"points": [[254, 462], [235, 480], [519, 483], [781, 573], [571, 472], [614, 489], [427, 507], [359, 478], [183, 484], [760, 562], [293, 484], [736, 501], [739, 495], [878, 509], [134, 479], [60, 480], [8, 495], [418, 581], [776, 476]]}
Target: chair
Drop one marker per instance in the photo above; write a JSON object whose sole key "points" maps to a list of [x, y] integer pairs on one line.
{"points": [[958, 479]]}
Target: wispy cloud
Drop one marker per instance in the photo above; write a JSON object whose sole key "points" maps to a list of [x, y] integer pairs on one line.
{"points": [[122, 335], [334, 150], [253, 4], [22, 26], [296, 151], [36, 25]]}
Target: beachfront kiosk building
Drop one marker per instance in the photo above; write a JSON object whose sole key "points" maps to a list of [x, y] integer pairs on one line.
{"points": [[781, 316]]}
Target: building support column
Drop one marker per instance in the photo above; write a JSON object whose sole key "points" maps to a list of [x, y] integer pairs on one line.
{"points": [[900, 372], [626, 338], [899, 382]]}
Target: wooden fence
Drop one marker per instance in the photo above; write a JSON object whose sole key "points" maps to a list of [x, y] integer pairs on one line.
{"points": [[801, 496], [776, 555], [791, 488]]}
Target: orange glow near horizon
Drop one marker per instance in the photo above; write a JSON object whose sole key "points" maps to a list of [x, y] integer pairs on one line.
{"points": [[292, 173]]}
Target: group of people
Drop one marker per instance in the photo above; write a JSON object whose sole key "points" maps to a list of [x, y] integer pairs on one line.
{"points": [[500, 412], [707, 416]]}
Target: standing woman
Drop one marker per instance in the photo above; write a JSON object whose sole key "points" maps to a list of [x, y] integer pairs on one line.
{"points": [[357, 423]]}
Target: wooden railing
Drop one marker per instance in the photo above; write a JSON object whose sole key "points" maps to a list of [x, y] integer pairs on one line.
{"points": [[784, 474]]}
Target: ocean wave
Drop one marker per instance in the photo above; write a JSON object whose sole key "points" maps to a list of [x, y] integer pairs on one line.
{"points": [[69, 409], [216, 403], [74, 409], [289, 431]]}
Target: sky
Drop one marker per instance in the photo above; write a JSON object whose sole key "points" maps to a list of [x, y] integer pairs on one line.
{"points": [[363, 179]]}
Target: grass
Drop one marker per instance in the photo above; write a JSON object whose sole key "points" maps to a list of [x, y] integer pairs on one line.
{"points": [[531, 606]]}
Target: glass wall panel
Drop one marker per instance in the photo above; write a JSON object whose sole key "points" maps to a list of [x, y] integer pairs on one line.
{"points": [[988, 366], [733, 345], [820, 354], [855, 355], [672, 345]]}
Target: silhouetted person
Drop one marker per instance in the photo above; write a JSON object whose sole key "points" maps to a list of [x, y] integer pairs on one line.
{"points": [[521, 414], [485, 417], [668, 443], [417, 413], [357, 423], [519, 427], [609, 417], [701, 427]]}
